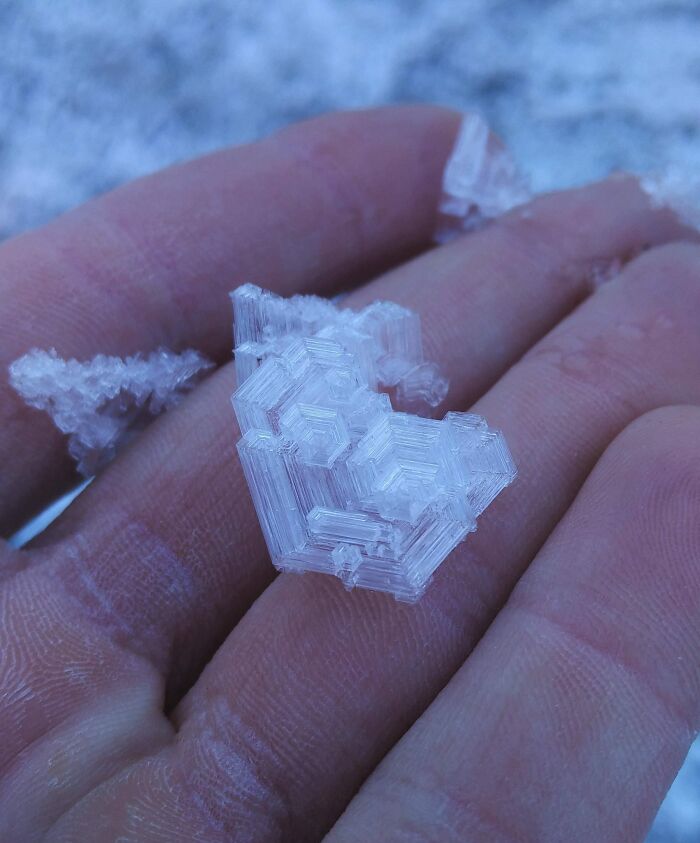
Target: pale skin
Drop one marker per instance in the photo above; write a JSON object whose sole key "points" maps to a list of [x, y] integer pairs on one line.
{"points": [[158, 682]]}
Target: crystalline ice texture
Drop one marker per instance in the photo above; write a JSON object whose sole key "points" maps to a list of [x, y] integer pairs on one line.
{"points": [[344, 485], [480, 181], [100, 402], [675, 189], [384, 338]]}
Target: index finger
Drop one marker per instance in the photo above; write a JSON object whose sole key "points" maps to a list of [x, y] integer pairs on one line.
{"points": [[316, 207]]}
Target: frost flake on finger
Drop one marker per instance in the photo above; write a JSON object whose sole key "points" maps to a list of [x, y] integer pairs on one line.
{"points": [[384, 337], [481, 181], [342, 483], [101, 402]]}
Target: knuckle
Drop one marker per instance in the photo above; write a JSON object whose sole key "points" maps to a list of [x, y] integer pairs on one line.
{"points": [[240, 774], [413, 801]]}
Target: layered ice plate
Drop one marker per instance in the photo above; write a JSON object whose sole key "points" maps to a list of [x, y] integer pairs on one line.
{"points": [[480, 182], [342, 482], [384, 338]]}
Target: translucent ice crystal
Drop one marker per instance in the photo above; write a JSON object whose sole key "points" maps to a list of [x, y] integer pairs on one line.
{"points": [[677, 190], [100, 402], [384, 338], [342, 483], [480, 181]]}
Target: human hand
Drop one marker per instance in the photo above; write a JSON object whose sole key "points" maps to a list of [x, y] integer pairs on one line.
{"points": [[157, 683]]}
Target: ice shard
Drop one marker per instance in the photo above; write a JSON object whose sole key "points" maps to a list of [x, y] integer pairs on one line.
{"points": [[480, 181]]}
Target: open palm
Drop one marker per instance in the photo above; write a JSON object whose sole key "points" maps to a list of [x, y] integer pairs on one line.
{"points": [[159, 683]]}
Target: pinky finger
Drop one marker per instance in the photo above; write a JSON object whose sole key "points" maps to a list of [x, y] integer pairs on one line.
{"points": [[572, 716]]}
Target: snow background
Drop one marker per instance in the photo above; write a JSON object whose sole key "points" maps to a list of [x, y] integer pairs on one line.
{"points": [[93, 93]]}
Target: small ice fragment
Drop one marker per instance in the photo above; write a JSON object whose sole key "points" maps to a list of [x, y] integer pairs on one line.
{"points": [[677, 190], [605, 271], [422, 383], [99, 403], [342, 483], [481, 181], [347, 559], [384, 338]]}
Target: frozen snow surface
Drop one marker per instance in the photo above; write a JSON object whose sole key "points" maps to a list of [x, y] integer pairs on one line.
{"points": [[99, 403], [342, 483], [97, 93]]}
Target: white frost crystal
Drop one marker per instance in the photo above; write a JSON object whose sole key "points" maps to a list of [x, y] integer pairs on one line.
{"points": [[480, 182], [384, 337], [342, 483], [677, 190], [100, 402]]}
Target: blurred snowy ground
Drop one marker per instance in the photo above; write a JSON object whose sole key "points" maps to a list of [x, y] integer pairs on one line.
{"points": [[95, 93]]}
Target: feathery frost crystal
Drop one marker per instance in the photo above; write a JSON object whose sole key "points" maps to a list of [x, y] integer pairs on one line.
{"points": [[341, 482], [99, 403], [480, 182]]}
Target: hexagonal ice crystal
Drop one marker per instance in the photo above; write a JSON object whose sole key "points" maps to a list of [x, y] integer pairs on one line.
{"points": [[397, 466], [320, 433], [342, 483]]}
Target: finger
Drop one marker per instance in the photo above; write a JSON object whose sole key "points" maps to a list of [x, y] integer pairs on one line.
{"points": [[9, 560], [485, 300], [335, 678], [315, 207], [175, 512], [588, 682]]}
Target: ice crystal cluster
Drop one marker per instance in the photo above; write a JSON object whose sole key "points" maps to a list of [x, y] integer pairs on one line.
{"points": [[342, 483], [676, 189], [480, 181], [384, 338], [99, 403]]}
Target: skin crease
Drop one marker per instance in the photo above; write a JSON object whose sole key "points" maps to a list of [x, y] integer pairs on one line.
{"points": [[156, 684]]}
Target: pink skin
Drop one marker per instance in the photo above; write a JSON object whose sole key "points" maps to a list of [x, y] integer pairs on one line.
{"points": [[156, 683]]}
